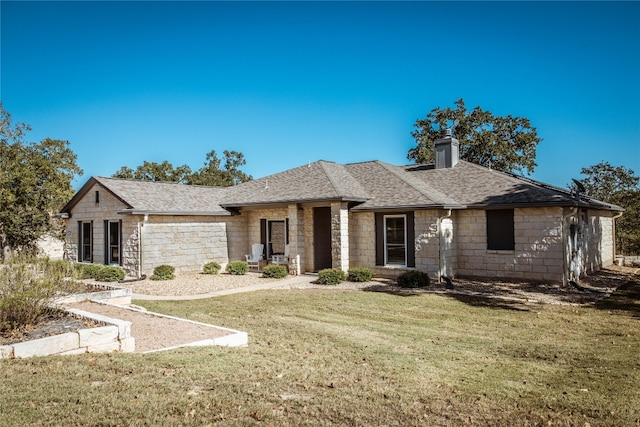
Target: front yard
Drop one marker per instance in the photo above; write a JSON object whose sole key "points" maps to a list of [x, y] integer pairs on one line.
{"points": [[333, 357]]}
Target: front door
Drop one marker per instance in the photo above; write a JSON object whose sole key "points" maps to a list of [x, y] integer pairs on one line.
{"points": [[321, 238]]}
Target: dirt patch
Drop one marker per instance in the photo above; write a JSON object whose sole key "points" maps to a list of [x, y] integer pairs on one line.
{"points": [[191, 284]]}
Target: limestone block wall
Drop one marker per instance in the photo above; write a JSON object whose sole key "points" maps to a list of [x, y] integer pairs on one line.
{"points": [[187, 242], [597, 240], [427, 242], [296, 238], [86, 210], [340, 235], [538, 252], [362, 239]]}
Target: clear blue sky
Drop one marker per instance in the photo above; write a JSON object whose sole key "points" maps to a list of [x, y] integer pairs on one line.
{"points": [[291, 82]]}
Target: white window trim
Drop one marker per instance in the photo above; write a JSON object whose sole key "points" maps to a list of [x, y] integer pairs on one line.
{"points": [[386, 262]]}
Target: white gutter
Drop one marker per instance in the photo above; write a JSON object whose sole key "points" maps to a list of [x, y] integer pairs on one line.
{"points": [[441, 260]]}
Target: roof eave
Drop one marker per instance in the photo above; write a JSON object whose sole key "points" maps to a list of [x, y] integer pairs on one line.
{"points": [[292, 201], [173, 213], [408, 207]]}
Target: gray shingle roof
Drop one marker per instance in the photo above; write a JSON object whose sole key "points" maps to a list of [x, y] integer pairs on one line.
{"points": [[476, 186], [318, 181], [159, 197], [371, 185]]}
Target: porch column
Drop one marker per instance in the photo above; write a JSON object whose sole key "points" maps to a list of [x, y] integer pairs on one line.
{"points": [[340, 235], [296, 264]]}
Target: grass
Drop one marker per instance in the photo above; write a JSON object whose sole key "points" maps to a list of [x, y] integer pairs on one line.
{"points": [[327, 357]]}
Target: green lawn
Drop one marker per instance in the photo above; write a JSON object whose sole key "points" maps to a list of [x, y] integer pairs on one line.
{"points": [[328, 357]]}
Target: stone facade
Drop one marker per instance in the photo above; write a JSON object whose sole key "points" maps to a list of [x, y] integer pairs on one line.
{"points": [[538, 252], [189, 242], [96, 207], [447, 243]]}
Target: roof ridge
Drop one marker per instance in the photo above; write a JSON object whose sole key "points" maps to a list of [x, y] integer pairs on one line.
{"points": [[431, 192], [333, 182]]}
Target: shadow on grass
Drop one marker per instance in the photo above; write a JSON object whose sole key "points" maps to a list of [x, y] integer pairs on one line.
{"points": [[473, 300], [488, 302], [626, 299], [392, 290]]}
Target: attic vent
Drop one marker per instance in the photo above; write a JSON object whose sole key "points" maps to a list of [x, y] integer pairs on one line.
{"points": [[97, 197]]}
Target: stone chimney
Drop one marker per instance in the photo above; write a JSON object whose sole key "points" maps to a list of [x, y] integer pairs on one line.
{"points": [[447, 151]]}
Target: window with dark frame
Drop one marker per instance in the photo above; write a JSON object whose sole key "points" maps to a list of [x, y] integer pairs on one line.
{"points": [[394, 239], [114, 242], [500, 230], [85, 242]]}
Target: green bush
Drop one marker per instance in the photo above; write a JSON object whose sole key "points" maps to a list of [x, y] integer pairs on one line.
{"points": [[331, 276], [110, 273], [275, 271], [87, 271], [27, 289], [413, 279], [211, 268], [237, 268], [360, 274], [163, 272]]}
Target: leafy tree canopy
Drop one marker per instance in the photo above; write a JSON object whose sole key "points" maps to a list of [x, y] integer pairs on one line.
{"points": [[214, 172], [503, 143], [35, 182], [620, 186]]}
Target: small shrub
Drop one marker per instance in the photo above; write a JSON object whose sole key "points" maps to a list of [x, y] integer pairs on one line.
{"points": [[27, 288], [237, 268], [110, 273], [413, 279], [360, 274], [275, 271], [88, 271], [211, 268], [163, 272], [331, 276]]}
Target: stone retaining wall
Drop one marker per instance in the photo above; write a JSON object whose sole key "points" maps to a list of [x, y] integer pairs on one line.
{"points": [[114, 335]]}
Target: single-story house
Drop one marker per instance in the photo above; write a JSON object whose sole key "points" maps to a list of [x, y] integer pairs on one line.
{"points": [[452, 218]]}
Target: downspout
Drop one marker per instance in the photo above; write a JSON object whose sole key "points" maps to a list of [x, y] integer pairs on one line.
{"points": [[615, 231], [139, 272], [440, 245], [565, 244], [141, 241]]}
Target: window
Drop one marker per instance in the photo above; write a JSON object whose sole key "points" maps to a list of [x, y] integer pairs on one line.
{"points": [[112, 242], [394, 240], [500, 236], [274, 234], [85, 241], [97, 197]]}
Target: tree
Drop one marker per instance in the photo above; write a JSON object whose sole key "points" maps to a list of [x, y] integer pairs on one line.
{"points": [[213, 174], [35, 182], [620, 186], [503, 143], [152, 171]]}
